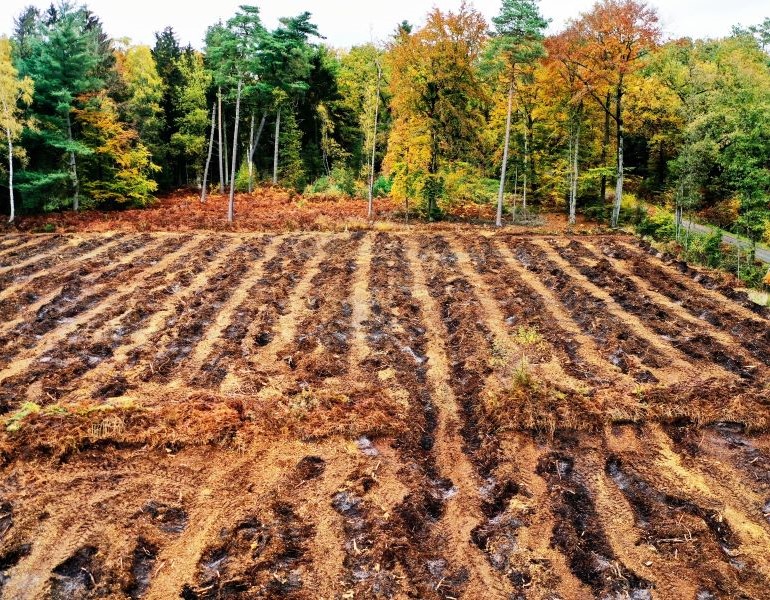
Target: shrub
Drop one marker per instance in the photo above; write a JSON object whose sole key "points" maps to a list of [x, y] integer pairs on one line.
{"points": [[660, 226], [382, 187]]}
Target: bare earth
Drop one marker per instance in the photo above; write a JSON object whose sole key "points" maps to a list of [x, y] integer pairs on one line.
{"points": [[392, 414]]}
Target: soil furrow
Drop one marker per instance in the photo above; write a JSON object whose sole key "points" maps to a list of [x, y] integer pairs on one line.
{"points": [[31, 251], [81, 347], [252, 327], [31, 290], [320, 347], [751, 332], [616, 341], [682, 335], [164, 352], [463, 509], [78, 297], [714, 282]]}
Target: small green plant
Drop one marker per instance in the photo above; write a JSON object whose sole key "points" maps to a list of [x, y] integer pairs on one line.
{"points": [[16, 420], [522, 376], [528, 336]]}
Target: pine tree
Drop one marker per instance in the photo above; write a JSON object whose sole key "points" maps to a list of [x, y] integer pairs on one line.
{"points": [[63, 58]]}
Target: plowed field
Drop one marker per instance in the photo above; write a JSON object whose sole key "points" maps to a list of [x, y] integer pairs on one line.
{"points": [[425, 414]]}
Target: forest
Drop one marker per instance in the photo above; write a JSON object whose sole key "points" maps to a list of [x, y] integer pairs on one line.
{"points": [[448, 113]]}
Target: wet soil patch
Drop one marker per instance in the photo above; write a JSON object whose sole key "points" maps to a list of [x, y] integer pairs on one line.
{"points": [[579, 533], [257, 557], [78, 577]]}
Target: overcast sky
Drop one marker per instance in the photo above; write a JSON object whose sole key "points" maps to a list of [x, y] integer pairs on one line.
{"points": [[346, 23]]}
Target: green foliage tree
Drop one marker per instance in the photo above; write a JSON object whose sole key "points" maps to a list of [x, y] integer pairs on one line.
{"points": [[63, 59], [235, 51], [140, 94], [189, 139]]}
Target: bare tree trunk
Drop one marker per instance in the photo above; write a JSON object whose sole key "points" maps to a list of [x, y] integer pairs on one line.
{"points": [[259, 135], [255, 145], [221, 145], [251, 151], [275, 152], [211, 150], [570, 173], [515, 194], [73, 167], [227, 159], [503, 170], [575, 174], [605, 145], [231, 205], [619, 186], [374, 142], [10, 174], [526, 165]]}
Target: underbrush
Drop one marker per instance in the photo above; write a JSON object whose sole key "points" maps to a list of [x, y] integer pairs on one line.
{"points": [[707, 250]]}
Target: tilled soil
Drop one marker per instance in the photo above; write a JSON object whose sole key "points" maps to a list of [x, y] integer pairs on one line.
{"points": [[377, 415]]}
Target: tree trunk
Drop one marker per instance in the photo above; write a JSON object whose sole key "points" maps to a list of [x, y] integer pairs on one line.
{"points": [[619, 186], [605, 145], [374, 144], [10, 174], [211, 150], [575, 174], [73, 167], [515, 194], [570, 172], [503, 170], [227, 158], [259, 135], [251, 151], [526, 166], [275, 150], [221, 145], [231, 205]]}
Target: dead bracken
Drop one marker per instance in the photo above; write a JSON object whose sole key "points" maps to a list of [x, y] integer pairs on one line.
{"points": [[378, 414]]}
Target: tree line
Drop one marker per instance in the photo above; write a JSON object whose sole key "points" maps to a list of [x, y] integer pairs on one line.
{"points": [[455, 111]]}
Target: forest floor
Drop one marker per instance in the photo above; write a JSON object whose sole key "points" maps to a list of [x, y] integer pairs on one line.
{"points": [[267, 209], [446, 413]]}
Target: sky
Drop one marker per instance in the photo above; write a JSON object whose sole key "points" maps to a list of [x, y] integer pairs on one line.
{"points": [[346, 23]]}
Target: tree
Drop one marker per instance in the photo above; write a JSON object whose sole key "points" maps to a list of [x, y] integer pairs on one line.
{"points": [[286, 61], [436, 98], [235, 50], [63, 58], [119, 170], [167, 53], [516, 45], [358, 77], [140, 95], [607, 45], [13, 92], [189, 139]]}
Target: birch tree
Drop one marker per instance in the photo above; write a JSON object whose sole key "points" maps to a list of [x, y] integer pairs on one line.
{"points": [[14, 91]]}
